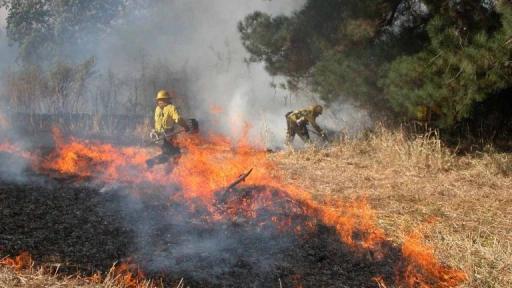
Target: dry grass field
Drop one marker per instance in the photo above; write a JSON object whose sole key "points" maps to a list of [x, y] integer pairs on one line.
{"points": [[462, 205]]}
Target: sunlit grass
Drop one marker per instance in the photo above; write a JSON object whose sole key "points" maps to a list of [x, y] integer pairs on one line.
{"points": [[461, 204]]}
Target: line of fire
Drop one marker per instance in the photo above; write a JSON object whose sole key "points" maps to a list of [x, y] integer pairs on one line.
{"points": [[224, 217]]}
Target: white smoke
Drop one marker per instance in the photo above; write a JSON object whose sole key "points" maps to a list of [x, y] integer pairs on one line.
{"points": [[203, 36], [13, 165], [3, 17], [7, 54]]}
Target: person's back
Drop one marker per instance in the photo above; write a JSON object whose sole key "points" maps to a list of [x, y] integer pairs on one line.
{"points": [[166, 116], [298, 120]]}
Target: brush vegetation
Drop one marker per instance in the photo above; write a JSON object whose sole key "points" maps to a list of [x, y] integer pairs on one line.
{"points": [[461, 204]]}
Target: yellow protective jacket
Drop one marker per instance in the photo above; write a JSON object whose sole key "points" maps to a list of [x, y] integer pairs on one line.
{"points": [[303, 116], [166, 117]]}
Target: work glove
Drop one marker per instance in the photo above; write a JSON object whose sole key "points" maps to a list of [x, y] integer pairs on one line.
{"points": [[153, 135]]}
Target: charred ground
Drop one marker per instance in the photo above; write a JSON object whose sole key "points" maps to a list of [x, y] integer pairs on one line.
{"points": [[85, 229]]}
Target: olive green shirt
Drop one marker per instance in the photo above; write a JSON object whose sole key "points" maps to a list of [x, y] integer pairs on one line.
{"points": [[305, 116]]}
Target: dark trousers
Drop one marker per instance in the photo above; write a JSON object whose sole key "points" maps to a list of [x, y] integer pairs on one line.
{"points": [[293, 128], [171, 153], [170, 147]]}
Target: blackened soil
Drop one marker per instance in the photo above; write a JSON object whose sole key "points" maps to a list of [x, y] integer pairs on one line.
{"points": [[86, 230], [77, 227]]}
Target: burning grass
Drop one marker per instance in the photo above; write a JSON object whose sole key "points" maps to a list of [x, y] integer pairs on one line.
{"points": [[20, 272], [460, 204], [353, 214]]}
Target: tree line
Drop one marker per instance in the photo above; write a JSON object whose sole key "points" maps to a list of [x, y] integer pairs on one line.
{"points": [[408, 58]]}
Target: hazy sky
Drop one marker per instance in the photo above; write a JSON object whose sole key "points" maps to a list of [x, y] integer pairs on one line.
{"points": [[7, 54], [202, 36]]}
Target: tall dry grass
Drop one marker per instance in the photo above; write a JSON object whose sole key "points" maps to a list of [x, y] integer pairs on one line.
{"points": [[412, 181]]}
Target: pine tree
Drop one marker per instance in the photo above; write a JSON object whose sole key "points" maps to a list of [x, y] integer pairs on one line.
{"points": [[396, 55]]}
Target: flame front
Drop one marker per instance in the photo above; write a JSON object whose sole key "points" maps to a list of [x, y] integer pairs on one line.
{"points": [[209, 165], [103, 162], [422, 258]]}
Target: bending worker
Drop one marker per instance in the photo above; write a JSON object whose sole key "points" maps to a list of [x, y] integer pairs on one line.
{"points": [[297, 121], [166, 116]]}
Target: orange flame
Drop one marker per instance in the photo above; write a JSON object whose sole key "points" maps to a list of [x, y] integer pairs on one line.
{"points": [[208, 166], [13, 149], [20, 262], [422, 260], [104, 162], [128, 275]]}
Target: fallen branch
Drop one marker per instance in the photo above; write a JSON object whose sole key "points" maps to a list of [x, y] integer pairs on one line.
{"points": [[241, 178]]}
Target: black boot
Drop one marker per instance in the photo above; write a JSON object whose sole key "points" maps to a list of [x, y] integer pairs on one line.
{"points": [[150, 163]]}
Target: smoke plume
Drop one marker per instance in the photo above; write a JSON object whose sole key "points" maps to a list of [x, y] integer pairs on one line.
{"points": [[202, 36]]}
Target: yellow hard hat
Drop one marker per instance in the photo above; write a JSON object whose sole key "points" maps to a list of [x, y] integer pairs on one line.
{"points": [[163, 94], [317, 108]]}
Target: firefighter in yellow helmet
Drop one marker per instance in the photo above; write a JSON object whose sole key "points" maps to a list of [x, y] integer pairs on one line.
{"points": [[166, 116], [297, 121]]}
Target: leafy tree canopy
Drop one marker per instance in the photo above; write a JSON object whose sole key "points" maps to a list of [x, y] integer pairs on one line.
{"points": [[390, 55], [43, 28]]}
